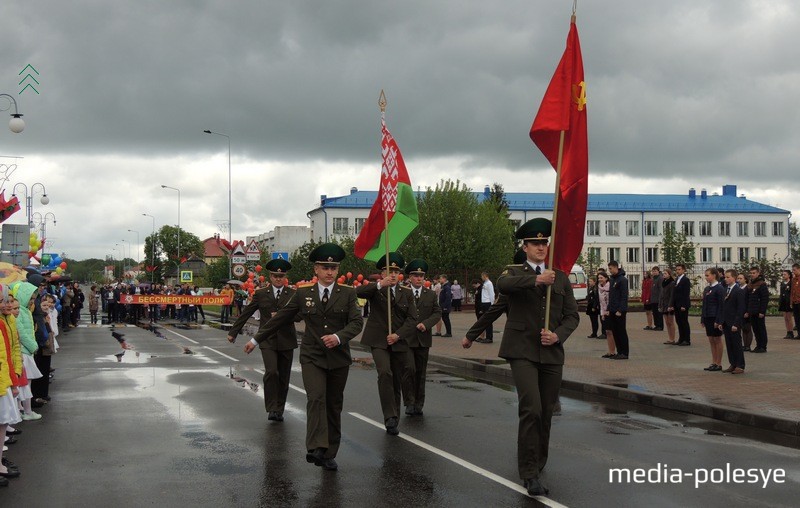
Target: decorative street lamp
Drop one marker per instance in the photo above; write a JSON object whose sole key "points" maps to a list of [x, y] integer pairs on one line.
{"points": [[29, 199], [230, 225], [16, 124]]}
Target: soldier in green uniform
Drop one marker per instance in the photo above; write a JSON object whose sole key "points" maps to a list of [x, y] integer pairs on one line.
{"points": [[277, 350], [428, 314], [332, 318], [535, 353], [390, 348]]}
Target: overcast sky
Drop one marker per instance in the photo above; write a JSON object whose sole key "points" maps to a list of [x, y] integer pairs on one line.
{"points": [[680, 94]]}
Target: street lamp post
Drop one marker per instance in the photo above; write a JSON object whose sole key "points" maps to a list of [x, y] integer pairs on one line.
{"points": [[179, 222], [41, 220], [137, 245], [29, 199], [153, 248], [16, 124], [127, 248], [230, 224]]}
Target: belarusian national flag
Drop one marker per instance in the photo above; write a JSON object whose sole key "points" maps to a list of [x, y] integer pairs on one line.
{"points": [[563, 108], [396, 197]]}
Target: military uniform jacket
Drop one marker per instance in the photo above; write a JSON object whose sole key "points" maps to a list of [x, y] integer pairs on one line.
{"points": [[404, 317], [264, 301], [526, 310], [428, 313], [341, 316]]}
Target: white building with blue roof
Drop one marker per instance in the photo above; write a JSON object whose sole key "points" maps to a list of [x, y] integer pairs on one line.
{"points": [[726, 228]]}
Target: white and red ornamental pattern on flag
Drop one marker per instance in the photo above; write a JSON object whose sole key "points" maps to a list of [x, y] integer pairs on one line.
{"points": [[389, 171]]}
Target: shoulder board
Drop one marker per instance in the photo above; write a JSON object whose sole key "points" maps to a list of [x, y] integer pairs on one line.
{"points": [[265, 287], [305, 285]]}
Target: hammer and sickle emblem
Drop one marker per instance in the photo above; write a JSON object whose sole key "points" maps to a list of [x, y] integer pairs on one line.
{"points": [[579, 98]]}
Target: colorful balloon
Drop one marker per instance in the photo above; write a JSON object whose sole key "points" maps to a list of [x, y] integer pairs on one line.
{"points": [[258, 268], [63, 265], [360, 277]]}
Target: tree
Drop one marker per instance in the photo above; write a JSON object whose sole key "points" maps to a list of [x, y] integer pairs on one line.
{"points": [[216, 272], [770, 270], [590, 261], [677, 249], [794, 242], [166, 248], [456, 233]]}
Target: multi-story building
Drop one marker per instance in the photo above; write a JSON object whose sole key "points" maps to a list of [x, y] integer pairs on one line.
{"points": [[282, 239], [725, 228]]}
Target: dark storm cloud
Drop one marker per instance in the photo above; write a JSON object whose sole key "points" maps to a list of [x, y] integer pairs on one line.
{"points": [[675, 89]]}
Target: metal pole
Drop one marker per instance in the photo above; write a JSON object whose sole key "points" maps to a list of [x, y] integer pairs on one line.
{"points": [[230, 200], [153, 249]]}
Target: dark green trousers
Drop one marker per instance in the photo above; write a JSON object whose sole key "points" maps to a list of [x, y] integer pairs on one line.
{"points": [[325, 394], [277, 370], [537, 389], [414, 395], [392, 364]]}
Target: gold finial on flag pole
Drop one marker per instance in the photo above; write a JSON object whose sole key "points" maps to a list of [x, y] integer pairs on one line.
{"points": [[382, 101], [574, 8]]}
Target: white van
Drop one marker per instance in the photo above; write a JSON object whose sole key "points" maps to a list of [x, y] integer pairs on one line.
{"points": [[577, 277]]}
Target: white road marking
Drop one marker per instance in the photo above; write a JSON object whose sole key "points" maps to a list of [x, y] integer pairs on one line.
{"points": [[182, 336], [293, 387], [221, 354], [463, 463]]}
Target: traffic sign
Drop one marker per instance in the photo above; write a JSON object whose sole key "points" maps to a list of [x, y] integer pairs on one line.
{"points": [[280, 255], [253, 252], [239, 270], [186, 276], [238, 256]]}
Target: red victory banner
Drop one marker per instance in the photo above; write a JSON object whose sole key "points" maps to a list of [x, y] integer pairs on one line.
{"points": [[559, 131]]}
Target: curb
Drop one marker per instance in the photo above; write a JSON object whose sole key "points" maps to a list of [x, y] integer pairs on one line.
{"points": [[656, 400], [714, 411]]}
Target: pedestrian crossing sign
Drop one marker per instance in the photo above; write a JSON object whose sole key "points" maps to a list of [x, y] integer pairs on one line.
{"points": [[186, 276]]}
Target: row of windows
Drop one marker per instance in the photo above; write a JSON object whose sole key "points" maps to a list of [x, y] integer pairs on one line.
{"points": [[651, 254], [687, 227], [341, 225]]}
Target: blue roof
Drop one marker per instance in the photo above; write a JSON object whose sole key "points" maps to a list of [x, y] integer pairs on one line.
{"points": [[534, 201]]}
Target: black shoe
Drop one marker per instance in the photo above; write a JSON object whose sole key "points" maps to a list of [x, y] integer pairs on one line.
{"points": [[36, 405], [592, 336], [789, 335], [316, 456], [710, 367], [447, 335], [608, 355], [602, 336], [8, 463], [747, 349], [10, 440], [759, 350], [275, 416], [658, 329], [330, 465], [391, 426], [534, 487], [14, 432], [437, 334], [716, 368], [10, 474], [648, 328], [410, 411], [619, 356], [484, 341], [684, 344], [417, 410]]}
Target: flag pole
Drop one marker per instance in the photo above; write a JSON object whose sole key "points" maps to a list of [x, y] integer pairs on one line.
{"points": [[553, 228], [382, 105]]}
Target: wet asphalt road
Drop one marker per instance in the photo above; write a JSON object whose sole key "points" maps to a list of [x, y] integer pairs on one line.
{"points": [[174, 429]]}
